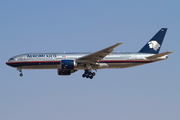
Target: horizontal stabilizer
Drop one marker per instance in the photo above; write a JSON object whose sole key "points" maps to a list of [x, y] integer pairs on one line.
{"points": [[159, 55]]}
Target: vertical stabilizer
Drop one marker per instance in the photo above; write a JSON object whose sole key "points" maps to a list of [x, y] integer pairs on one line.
{"points": [[153, 46]]}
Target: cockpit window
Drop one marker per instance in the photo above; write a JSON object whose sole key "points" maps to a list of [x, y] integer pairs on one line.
{"points": [[11, 59]]}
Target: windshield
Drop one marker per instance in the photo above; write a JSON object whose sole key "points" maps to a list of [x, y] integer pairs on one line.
{"points": [[11, 59]]}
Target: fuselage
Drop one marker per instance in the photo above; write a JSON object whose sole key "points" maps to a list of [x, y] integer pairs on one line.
{"points": [[67, 63], [53, 60]]}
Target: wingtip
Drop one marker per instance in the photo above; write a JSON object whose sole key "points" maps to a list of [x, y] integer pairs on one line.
{"points": [[118, 43], [170, 51]]}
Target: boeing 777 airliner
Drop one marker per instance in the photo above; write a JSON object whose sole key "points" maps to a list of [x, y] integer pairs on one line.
{"points": [[67, 63]]}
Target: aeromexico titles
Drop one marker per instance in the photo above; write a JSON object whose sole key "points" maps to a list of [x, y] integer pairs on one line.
{"points": [[67, 63]]}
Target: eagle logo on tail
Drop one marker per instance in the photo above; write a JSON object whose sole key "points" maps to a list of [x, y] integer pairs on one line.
{"points": [[154, 44]]}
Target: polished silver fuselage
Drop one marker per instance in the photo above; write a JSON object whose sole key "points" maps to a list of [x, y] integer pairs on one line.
{"points": [[53, 60]]}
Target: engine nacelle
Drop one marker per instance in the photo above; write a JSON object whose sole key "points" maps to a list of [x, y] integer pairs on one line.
{"points": [[65, 72], [68, 64], [67, 67]]}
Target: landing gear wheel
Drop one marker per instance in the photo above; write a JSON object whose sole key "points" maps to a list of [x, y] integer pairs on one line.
{"points": [[88, 74], [83, 75], [21, 74]]}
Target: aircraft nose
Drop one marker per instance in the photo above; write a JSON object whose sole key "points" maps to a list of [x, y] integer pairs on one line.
{"points": [[7, 63], [11, 64]]}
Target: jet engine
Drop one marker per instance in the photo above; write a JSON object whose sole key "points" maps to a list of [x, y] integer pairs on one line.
{"points": [[67, 67]]}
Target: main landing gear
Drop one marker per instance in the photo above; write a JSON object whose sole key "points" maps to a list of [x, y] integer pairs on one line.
{"points": [[20, 70], [88, 74]]}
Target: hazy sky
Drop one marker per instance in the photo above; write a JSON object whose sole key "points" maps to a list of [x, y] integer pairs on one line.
{"points": [[147, 92]]}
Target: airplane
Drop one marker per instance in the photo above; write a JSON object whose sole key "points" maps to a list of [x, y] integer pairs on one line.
{"points": [[67, 63]]}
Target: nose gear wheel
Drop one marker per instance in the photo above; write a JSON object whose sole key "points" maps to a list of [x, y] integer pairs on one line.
{"points": [[20, 70]]}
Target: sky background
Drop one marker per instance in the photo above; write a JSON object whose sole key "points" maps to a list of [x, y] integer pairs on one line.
{"points": [[147, 92]]}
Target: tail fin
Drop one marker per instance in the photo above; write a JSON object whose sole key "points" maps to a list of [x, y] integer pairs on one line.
{"points": [[154, 45]]}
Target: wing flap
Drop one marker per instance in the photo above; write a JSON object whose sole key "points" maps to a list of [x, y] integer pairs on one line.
{"points": [[159, 55]]}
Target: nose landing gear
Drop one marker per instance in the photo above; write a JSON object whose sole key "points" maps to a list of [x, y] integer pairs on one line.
{"points": [[89, 74], [20, 70], [21, 74]]}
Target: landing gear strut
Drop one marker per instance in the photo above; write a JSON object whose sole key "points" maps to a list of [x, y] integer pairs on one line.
{"points": [[88, 74], [20, 70]]}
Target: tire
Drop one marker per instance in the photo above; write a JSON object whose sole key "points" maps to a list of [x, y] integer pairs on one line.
{"points": [[21, 74], [83, 75]]}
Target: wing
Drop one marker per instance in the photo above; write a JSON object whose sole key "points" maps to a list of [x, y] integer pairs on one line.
{"points": [[159, 55], [94, 57]]}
